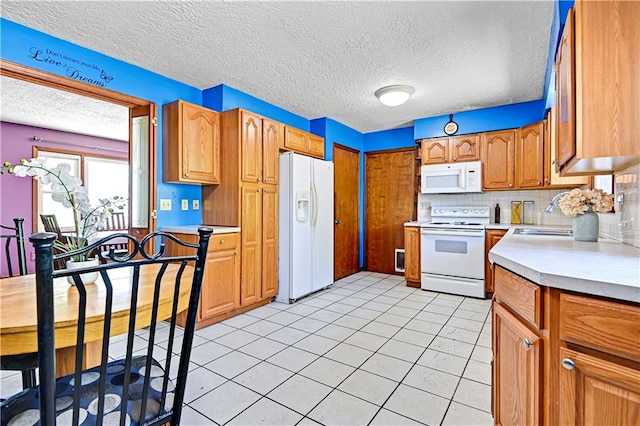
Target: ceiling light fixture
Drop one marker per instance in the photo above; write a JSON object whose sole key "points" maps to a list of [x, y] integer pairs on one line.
{"points": [[394, 95]]}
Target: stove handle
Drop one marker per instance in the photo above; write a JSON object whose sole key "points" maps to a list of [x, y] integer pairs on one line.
{"points": [[454, 232]]}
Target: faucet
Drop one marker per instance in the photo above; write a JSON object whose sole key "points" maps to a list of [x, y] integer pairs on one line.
{"points": [[554, 202]]}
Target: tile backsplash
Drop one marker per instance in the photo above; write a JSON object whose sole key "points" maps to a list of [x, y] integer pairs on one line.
{"points": [[624, 225]]}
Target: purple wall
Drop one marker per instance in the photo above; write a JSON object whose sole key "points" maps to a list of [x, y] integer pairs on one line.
{"points": [[16, 193]]}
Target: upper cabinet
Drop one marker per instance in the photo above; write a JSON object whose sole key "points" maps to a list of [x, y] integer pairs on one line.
{"points": [[451, 150], [498, 168], [191, 146], [597, 88], [530, 156], [303, 142], [552, 176], [260, 139]]}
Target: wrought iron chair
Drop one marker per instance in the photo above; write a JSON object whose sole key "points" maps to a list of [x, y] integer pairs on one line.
{"points": [[25, 363], [115, 222], [134, 390], [50, 224]]}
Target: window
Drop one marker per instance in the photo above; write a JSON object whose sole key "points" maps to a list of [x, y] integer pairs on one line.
{"points": [[103, 177]]}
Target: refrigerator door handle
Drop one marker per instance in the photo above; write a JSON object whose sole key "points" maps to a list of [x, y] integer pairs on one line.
{"points": [[315, 204]]}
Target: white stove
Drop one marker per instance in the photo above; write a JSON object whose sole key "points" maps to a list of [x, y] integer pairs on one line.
{"points": [[452, 250]]}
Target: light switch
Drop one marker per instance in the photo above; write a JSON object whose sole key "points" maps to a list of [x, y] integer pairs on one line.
{"points": [[185, 204], [196, 204], [165, 204]]}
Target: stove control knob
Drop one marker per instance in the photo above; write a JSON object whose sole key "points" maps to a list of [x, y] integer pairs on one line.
{"points": [[476, 211], [465, 211]]}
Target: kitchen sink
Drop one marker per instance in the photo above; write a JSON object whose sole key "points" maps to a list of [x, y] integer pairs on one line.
{"points": [[540, 231]]}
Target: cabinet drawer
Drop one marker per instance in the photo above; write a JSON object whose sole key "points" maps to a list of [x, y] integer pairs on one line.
{"points": [[224, 241], [601, 324], [520, 295]]}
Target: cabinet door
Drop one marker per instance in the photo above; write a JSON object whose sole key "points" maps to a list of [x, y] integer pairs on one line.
{"points": [[269, 241], [296, 140], [221, 285], [497, 159], [598, 392], [251, 244], [271, 135], [517, 369], [465, 148], [200, 144], [316, 146], [551, 172], [251, 147], [530, 156], [412, 253], [566, 95], [491, 239], [435, 151]]}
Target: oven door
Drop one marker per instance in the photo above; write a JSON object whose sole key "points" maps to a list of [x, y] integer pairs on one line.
{"points": [[452, 252]]}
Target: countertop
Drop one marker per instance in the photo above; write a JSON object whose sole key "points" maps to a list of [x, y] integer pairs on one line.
{"points": [[607, 268], [193, 229]]}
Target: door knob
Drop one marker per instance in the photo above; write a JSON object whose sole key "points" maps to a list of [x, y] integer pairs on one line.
{"points": [[338, 222]]}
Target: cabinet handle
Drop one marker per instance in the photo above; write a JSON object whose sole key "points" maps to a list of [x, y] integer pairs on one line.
{"points": [[568, 364], [186, 174], [221, 241], [455, 159], [258, 179], [266, 180], [266, 190], [554, 161], [510, 184], [259, 190], [539, 183], [235, 253], [527, 343]]}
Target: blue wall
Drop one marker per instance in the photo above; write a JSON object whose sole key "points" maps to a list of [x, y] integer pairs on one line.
{"points": [[35, 49], [482, 120]]}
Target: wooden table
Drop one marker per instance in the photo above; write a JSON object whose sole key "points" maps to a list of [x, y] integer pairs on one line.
{"points": [[18, 320]]}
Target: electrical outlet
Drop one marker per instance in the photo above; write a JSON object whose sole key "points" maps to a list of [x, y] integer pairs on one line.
{"points": [[185, 204], [196, 204], [165, 204]]}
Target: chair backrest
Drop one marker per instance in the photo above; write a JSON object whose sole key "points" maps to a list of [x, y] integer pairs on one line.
{"points": [[50, 224], [116, 222], [16, 233], [154, 288]]}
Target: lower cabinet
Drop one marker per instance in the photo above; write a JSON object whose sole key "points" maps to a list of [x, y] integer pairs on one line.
{"points": [[491, 239], [221, 283], [412, 256], [563, 358]]}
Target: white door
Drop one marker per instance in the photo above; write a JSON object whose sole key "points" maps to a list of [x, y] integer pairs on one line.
{"points": [[322, 224]]}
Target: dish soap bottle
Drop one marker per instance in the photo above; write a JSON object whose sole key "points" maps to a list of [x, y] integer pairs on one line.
{"points": [[497, 212]]}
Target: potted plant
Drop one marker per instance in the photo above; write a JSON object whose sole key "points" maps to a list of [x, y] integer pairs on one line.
{"points": [[68, 190]]}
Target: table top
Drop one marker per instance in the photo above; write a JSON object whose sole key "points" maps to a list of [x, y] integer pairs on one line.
{"points": [[18, 321]]}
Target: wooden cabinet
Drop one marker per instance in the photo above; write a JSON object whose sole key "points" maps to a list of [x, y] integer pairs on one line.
{"points": [[561, 357], [597, 87], [491, 239], [451, 150], [191, 143], [412, 256], [529, 164], [248, 198], [552, 176], [498, 153], [517, 366], [303, 142], [221, 282]]}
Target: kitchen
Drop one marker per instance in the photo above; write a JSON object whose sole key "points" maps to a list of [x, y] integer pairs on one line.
{"points": [[542, 198]]}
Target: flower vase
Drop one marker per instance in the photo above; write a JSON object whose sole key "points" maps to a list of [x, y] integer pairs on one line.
{"points": [[89, 277], [586, 226]]}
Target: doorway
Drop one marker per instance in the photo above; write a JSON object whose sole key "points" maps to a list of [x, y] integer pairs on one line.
{"points": [[142, 138], [347, 207]]}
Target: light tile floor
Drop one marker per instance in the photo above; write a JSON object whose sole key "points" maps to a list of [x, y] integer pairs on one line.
{"points": [[367, 351]]}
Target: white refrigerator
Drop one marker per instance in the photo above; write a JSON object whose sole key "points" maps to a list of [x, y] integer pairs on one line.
{"points": [[305, 226]]}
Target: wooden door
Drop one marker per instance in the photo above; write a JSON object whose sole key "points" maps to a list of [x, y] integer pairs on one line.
{"points": [[465, 148], [497, 159], [566, 95], [251, 140], [251, 274], [200, 143], [517, 368], [435, 151], [491, 239], [389, 203], [412, 255], [530, 156], [269, 284], [221, 282], [347, 211], [597, 392], [271, 135]]}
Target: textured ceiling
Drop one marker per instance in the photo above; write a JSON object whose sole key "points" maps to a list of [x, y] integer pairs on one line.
{"points": [[321, 58], [34, 105]]}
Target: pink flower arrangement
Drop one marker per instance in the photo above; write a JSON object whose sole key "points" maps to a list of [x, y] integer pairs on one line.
{"points": [[578, 201]]}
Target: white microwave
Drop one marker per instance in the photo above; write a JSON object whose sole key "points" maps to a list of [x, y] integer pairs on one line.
{"points": [[451, 178]]}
